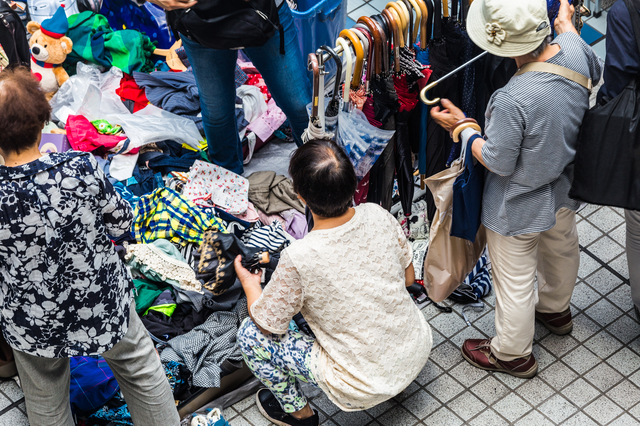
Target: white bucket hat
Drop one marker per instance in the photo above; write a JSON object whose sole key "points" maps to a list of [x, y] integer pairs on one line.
{"points": [[508, 28]]}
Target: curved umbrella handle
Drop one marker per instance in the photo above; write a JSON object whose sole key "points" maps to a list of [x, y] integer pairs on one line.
{"points": [[336, 58], [386, 34], [423, 94], [445, 8], [363, 30], [418, 23], [357, 47], [346, 52], [424, 31], [407, 17], [312, 65], [364, 39], [389, 13], [400, 37], [375, 31]]}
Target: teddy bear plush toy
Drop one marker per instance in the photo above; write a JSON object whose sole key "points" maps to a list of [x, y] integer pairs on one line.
{"points": [[49, 49]]}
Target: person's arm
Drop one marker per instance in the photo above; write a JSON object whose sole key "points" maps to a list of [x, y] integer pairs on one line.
{"points": [[273, 308], [409, 276], [563, 22]]}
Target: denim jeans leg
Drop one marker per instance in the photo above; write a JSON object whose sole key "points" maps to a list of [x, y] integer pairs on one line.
{"points": [[214, 71], [286, 75]]}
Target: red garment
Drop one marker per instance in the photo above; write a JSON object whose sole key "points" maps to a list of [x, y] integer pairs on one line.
{"points": [[83, 136], [130, 91], [258, 81]]}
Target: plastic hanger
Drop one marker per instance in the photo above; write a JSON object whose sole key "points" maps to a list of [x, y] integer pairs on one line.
{"points": [[356, 80]]}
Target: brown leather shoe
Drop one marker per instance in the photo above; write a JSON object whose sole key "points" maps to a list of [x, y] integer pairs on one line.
{"points": [[478, 353], [557, 323]]}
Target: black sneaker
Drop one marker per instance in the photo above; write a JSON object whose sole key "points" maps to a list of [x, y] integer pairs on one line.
{"points": [[270, 408]]}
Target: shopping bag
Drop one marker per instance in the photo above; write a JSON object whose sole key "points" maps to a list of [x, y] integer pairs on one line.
{"points": [[467, 197], [449, 259]]}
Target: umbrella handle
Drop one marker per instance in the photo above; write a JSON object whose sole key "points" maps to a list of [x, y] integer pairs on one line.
{"points": [[402, 18], [389, 13], [375, 31], [417, 25], [424, 37], [336, 59], [346, 52], [409, 38], [357, 47], [407, 16], [364, 31], [312, 65]]}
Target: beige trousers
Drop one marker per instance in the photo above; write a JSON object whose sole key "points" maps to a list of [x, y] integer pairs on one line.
{"points": [[555, 256]]}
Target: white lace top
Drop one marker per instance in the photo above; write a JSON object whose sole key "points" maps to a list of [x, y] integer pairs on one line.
{"points": [[349, 283]]}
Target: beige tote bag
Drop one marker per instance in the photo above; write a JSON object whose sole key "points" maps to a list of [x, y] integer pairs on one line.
{"points": [[449, 259]]}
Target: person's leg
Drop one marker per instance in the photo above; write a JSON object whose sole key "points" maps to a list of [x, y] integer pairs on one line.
{"points": [[558, 262], [278, 361], [136, 366], [214, 71], [513, 265], [45, 383], [286, 75], [633, 253]]}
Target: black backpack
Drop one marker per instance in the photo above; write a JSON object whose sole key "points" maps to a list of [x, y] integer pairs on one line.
{"points": [[13, 36], [228, 24]]}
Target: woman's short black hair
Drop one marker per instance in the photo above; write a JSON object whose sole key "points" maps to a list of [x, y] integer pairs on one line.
{"points": [[323, 175]]}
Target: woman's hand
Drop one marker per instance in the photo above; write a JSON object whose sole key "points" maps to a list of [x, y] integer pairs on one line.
{"points": [[447, 117], [174, 4], [247, 279], [564, 20]]}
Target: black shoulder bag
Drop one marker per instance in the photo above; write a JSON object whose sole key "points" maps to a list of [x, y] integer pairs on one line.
{"points": [[13, 36], [229, 24], [607, 163]]}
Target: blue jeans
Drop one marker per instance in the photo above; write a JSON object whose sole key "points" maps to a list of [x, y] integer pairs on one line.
{"points": [[285, 75]]}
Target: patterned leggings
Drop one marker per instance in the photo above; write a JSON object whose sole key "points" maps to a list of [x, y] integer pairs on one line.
{"points": [[278, 360]]}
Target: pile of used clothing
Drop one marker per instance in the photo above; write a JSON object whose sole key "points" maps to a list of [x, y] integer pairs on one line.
{"points": [[142, 122]]}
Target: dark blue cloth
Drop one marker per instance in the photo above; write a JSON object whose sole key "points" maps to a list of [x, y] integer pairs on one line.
{"points": [[623, 59], [92, 383], [467, 197]]}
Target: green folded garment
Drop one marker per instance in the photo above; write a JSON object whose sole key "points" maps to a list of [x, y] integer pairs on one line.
{"points": [[147, 292]]}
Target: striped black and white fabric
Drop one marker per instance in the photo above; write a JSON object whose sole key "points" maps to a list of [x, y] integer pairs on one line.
{"points": [[532, 128], [268, 237]]}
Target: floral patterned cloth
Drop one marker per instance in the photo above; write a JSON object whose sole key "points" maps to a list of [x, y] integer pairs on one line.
{"points": [[64, 291], [210, 185], [278, 361]]}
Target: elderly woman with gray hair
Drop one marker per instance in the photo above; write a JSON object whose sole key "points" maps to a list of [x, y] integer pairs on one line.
{"points": [[528, 146]]}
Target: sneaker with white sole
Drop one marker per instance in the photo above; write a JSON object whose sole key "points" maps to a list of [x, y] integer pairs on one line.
{"points": [[272, 411]]}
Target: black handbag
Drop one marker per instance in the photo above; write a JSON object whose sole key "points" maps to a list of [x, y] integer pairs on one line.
{"points": [[13, 36], [229, 24], [607, 163]]}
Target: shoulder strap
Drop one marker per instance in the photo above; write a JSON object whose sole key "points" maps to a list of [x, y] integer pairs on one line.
{"points": [[632, 7], [576, 77]]}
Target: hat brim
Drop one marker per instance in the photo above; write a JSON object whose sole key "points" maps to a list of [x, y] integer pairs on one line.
{"points": [[508, 49]]}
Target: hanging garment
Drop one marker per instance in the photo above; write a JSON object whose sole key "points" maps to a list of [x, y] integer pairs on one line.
{"points": [[162, 262], [210, 185], [273, 194], [94, 41], [92, 383], [207, 346], [165, 214]]}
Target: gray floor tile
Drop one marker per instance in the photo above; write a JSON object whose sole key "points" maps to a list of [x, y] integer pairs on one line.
{"points": [[558, 345], [379, 409], [558, 375], [621, 297], [579, 419], [244, 404], [535, 391], [443, 416], [624, 361], [490, 390], [466, 405], [421, 404], [625, 394], [588, 210], [398, 416], [15, 417], [4, 402], [365, 10], [324, 403], [557, 408], [581, 360], [467, 374], [429, 373], [620, 265], [378, 4], [488, 418], [354, 4], [619, 235], [407, 392], [635, 411], [625, 329], [254, 416], [584, 296], [446, 355], [241, 421], [583, 328], [543, 356], [534, 418], [510, 381], [580, 393], [603, 344], [603, 410], [605, 219], [587, 265], [487, 324], [351, 418], [603, 312], [12, 390], [229, 413], [448, 325], [512, 407], [467, 333], [603, 377], [587, 233], [603, 281], [444, 388], [437, 338], [624, 420], [606, 249]]}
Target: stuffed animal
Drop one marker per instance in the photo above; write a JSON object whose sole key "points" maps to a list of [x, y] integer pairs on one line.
{"points": [[49, 49]]}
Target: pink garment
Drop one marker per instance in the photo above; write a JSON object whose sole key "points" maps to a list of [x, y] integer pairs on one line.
{"points": [[251, 215], [83, 136], [267, 123], [295, 223], [268, 219]]}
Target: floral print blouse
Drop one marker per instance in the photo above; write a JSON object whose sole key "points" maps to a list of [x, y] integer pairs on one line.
{"points": [[64, 292]]}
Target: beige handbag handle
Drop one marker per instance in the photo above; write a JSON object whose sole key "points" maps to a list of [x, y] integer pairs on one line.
{"points": [[576, 77]]}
